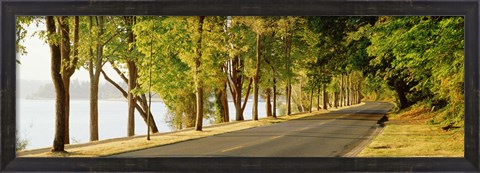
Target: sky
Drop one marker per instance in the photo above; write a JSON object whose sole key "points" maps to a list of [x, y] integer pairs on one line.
{"points": [[35, 65]]}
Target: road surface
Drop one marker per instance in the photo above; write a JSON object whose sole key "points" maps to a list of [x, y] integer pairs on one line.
{"points": [[330, 134]]}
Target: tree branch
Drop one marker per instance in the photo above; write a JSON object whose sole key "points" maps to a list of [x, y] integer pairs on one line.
{"points": [[248, 93], [125, 79]]}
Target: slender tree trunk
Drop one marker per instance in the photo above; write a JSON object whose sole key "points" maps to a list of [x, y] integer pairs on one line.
{"points": [[225, 113], [132, 76], [274, 97], [354, 94], [347, 89], [140, 108], [311, 100], [268, 105], [318, 98], [351, 89], [335, 99], [301, 94], [360, 96], [341, 91], [289, 99], [288, 87], [220, 103], [59, 139], [94, 79], [256, 79], [325, 99], [245, 99], [141, 104], [144, 104], [199, 83]]}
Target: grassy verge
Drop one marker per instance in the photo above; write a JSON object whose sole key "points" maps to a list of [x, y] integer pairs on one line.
{"points": [[121, 145], [409, 134]]}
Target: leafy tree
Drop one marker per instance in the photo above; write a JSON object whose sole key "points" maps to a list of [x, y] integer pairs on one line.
{"points": [[123, 55], [240, 41]]}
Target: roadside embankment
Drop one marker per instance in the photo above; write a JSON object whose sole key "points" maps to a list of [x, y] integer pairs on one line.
{"points": [[408, 134], [121, 145]]}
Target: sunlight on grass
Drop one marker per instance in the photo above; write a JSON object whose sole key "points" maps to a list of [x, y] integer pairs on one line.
{"points": [[408, 135]]}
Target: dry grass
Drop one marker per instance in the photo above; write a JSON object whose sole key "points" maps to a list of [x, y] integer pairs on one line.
{"points": [[408, 135], [96, 149]]}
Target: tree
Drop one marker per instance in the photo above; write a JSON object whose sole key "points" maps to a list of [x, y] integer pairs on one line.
{"points": [[198, 81], [132, 76], [239, 40], [55, 53], [69, 65], [122, 54]]}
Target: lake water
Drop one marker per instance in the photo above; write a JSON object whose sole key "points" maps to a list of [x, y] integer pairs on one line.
{"points": [[36, 120]]}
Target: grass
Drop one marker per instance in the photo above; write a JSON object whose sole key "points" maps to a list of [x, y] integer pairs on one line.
{"points": [[408, 134], [121, 145]]}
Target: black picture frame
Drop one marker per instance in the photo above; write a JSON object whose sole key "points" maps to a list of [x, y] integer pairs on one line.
{"points": [[11, 8]]}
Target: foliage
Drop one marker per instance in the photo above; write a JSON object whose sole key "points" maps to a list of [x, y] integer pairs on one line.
{"points": [[408, 59]]}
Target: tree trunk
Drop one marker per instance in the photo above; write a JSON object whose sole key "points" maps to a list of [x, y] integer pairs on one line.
{"points": [[236, 84], [238, 98], [94, 79], [274, 109], [144, 104], [199, 119], [198, 81], [140, 108], [132, 78], [289, 99], [66, 84], [347, 89], [301, 98], [66, 66], [268, 105], [141, 104], [360, 96], [400, 90], [245, 99], [341, 91], [318, 98], [325, 99], [220, 103], [256, 79], [59, 139], [225, 113], [335, 99], [288, 92], [311, 100]]}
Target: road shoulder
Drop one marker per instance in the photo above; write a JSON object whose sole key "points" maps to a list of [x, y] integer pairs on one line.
{"points": [[409, 135]]}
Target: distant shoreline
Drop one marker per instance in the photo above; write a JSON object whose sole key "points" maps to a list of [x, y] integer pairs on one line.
{"points": [[116, 99], [86, 99]]}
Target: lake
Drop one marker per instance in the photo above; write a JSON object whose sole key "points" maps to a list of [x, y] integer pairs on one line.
{"points": [[36, 120]]}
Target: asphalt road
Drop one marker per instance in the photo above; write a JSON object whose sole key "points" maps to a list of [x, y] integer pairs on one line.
{"points": [[330, 134]]}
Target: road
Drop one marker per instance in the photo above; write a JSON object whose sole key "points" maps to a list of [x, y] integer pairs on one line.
{"points": [[330, 134]]}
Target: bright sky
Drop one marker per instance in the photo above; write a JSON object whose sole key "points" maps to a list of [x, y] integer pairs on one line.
{"points": [[35, 65]]}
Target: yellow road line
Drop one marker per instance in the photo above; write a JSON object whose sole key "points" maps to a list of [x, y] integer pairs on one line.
{"points": [[234, 148], [275, 137]]}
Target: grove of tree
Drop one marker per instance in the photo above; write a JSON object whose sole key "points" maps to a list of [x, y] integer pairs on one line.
{"points": [[197, 64]]}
